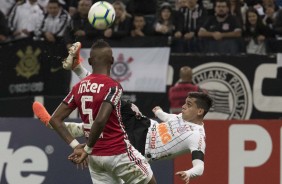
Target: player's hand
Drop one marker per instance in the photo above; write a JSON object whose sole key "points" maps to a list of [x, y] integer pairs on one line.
{"points": [[50, 37], [78, 155], [189, 36], [185, 177], [217, 35], [156, 108], [73, 157], [83, 165], [26, 32]]}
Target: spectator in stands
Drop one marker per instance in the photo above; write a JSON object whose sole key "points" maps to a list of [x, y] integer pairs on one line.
{"points": [[73, 6], [222, 31], [122, 24], [79, 28], [43, 4], [178, 92], [55, 22], [257, 4], [256, 33], [165, 24], [139, 27], [269, 2], [269, 17], [144, 7], [209, 5], [235, 10], [25, 18], [6, 6], [244, 8], [277, 26], [4, 29], [193, 18]]}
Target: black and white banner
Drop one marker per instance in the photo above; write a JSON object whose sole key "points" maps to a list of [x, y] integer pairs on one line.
{"points": [[137, 69]]}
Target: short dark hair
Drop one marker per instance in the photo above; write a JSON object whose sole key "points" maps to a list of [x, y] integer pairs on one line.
{"points": [[100, 44], [54, 1], [203, 100], [223, 1]]}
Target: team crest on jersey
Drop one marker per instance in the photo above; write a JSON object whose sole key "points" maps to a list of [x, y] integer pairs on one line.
{"points": [[120, 70], [28, 64], [229, 88]]}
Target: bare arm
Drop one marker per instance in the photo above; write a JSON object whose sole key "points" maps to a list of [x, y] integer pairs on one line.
{"points": [[204, 33], [99, 123], [232, 34], [75, 129], [57, 122], [96, 129]]}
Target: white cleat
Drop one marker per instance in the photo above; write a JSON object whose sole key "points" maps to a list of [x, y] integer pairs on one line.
{"points": [[73, 58]]}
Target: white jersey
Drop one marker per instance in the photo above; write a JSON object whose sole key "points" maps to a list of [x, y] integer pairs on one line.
{"points": [[55, 25], [174, 137], [26, 16]]}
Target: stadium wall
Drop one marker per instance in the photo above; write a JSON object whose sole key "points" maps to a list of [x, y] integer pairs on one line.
{"points": [[238, 152]]}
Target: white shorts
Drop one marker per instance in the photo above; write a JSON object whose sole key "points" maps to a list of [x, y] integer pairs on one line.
{"points": [[129, 168]]}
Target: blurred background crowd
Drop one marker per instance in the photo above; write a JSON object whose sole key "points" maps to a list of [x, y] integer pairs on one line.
{"points": [[190, 26]]}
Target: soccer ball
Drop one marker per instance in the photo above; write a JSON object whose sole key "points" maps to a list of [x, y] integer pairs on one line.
{"points": [[101, 15]]}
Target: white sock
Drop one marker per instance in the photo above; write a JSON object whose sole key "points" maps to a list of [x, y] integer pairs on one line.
{"points": [[80, 71]]}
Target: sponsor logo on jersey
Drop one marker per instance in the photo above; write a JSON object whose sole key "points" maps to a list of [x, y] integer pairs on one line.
{"points": [[229, 88], [120, 69], [164, 134], [86, 86], [153, 137]]}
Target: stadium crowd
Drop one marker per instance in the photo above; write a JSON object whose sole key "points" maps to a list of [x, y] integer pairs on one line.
{"points": [[190, 26]]}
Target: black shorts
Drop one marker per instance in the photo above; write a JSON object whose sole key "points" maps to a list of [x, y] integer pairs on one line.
{"points": [[137, 129]]}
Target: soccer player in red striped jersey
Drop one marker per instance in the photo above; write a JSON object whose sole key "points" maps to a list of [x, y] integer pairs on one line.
{"points": [[176, 135], [112, 159]]}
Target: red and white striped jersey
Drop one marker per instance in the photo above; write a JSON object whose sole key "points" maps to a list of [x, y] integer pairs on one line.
{"points": [[174, 137], [88, 96]]}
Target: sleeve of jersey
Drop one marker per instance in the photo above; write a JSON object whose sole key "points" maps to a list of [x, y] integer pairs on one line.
{"points": [[197, 169], [69, 100], [163, 115], [198, 143], [113, 95]]}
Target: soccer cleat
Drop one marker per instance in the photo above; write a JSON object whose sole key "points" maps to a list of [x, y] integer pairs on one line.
{"points": [[73, 58], [42, 114]]}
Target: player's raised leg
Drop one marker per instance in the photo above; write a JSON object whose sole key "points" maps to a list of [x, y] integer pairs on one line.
{"points": [[73, 61], [73, 58]]}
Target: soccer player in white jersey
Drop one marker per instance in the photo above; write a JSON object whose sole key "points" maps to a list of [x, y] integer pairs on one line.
{"points": [[178, 134]]}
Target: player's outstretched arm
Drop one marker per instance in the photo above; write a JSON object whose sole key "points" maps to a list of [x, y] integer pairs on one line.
{"points": [[163, 116], [76, 129]]}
